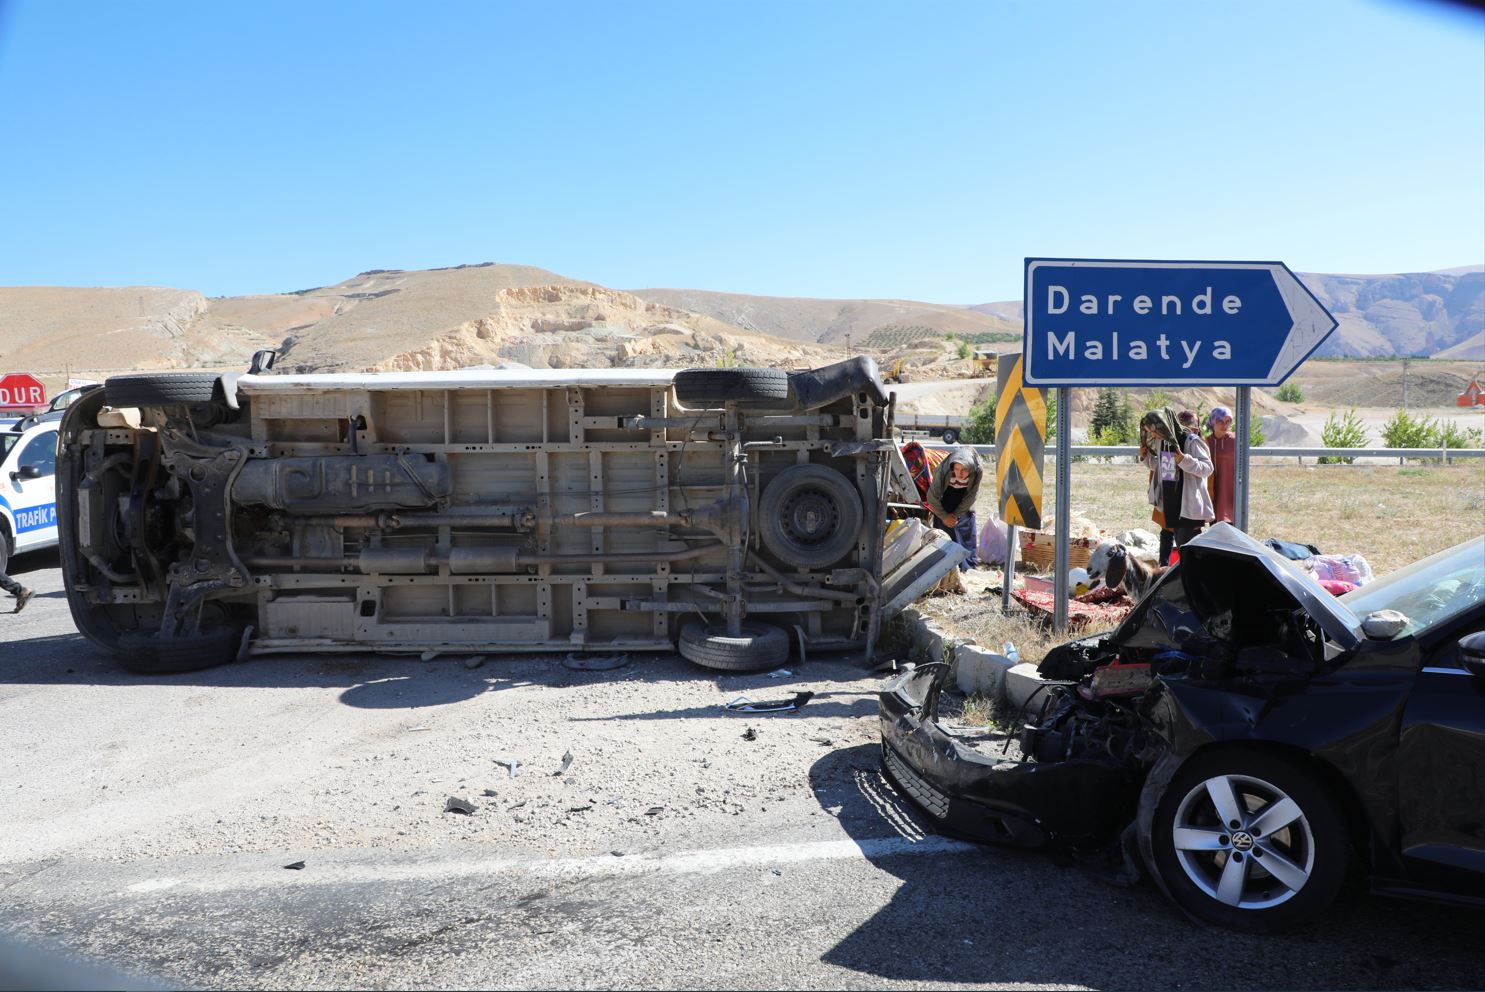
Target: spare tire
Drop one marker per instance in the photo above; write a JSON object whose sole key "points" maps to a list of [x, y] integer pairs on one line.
{"points": [[161, 388], [759, 646], [701, 388], [810, 516]]}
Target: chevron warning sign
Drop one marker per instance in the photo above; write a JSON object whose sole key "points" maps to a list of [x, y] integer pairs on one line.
{"points": [[1020, 444]]}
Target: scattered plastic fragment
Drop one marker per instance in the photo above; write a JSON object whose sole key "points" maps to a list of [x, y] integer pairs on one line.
{"points": [[457, 805], [515, 805], [823, 741], [654, 811], [580, 809], [296, 866], [566, 764], [510, 764], [742, 704], [414, 730], [780, 673], [489, 793], [594, 662]]}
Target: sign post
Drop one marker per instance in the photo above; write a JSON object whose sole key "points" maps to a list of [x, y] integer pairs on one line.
{"points": [[21, 391], [1114, 322]]}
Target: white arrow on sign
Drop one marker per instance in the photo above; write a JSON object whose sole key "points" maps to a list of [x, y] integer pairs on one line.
{"points": [[1312, 322]]}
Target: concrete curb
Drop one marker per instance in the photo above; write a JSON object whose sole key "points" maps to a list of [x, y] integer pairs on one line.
{"points": [[973, 668]]}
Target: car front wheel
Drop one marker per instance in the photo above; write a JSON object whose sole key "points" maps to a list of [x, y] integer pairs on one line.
{"points": [[1249, 841]]}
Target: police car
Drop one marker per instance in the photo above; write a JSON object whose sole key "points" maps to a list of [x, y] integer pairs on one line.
{"points": [[28, 490]]}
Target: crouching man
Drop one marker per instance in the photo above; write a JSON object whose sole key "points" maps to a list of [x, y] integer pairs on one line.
{"points": [[951, 498]]}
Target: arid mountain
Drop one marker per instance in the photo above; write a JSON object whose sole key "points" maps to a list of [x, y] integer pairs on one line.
{"points": [[381, 319], [475, 314], [804, 319]]}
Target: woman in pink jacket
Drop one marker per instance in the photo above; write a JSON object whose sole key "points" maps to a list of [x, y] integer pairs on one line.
{"points": [[1179, 464]]}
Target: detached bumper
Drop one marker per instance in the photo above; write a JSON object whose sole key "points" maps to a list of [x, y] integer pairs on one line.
{"points": [[1024, 804]]}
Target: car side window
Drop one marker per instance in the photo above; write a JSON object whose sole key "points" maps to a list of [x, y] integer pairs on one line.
{"points": [[41, 451]]}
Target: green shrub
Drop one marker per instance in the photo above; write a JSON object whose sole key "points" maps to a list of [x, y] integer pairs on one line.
{"points": [[963, 351], [1158, 399], [1256, 436], [1343, 431], [1451, 435], [979, 426], [1291, 393], [1406, 431]]}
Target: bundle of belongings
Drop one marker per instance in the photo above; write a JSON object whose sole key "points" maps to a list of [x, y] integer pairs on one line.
{"points": [[1337, 574]]}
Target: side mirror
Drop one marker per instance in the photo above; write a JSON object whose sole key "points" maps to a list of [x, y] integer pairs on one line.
{"points": [[1472, 653], [30, 472]]}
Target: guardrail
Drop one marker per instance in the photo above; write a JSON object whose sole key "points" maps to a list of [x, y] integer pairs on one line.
{"points": [[1132, 451]]}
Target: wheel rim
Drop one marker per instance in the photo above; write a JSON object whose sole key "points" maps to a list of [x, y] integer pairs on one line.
{"points": [[1243, 842], [810, 517]]}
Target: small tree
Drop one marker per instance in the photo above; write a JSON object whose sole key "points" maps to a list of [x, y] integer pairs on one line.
{"points": [[1256, 434], [963, 351], [979, 426], [1158, 399], [1344, 431], [1406, 431], [1451, 435], [1291, 393], [1105, 413]]}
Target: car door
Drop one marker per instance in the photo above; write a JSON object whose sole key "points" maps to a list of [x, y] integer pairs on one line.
{"points": [[1442, 768], [33, 501]]}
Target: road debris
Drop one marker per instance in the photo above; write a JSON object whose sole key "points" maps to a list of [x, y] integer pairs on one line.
{"points": [[780, 673], [429, 655], [823, 741], [581, 809], [457, 805], [654, 811], [474, 662], [414, 730], [296, 866], [566, 764], [490, 793], [750, 734], [594, 662], [510, 764], [742, 704]]}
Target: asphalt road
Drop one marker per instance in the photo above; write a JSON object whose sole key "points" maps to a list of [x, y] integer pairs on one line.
{"points": [[146, 822]]}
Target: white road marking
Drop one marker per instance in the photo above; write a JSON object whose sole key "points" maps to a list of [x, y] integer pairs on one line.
{"points": [[330, 871]]}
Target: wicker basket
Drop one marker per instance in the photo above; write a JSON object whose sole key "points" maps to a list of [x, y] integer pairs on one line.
{"points": [[1038, 550]]}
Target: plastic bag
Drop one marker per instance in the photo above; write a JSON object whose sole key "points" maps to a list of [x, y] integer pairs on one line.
{"points": [[991, 543], [1340, 568]]}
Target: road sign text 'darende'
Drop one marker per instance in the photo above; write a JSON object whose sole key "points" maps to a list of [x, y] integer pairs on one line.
{"points": [[1100, 322]]}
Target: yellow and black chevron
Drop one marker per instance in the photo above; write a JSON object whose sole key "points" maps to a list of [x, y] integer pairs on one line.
{"points": [[1020, 444]]}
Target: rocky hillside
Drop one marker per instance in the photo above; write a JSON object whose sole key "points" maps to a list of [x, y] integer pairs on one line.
{"points": [[476, 314], [804, 319]]}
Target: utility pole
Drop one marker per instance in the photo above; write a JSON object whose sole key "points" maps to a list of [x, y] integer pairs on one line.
{"points": [[1405, 384], [848, 345]]}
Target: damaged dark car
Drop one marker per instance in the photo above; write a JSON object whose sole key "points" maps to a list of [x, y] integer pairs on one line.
{"points": [[1243, 737]]}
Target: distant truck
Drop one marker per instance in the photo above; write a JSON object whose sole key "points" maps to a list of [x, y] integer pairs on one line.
{"points": [[947, 428]]}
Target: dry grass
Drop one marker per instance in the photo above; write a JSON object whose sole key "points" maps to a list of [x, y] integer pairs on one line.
{"points": [[1392, 515]]}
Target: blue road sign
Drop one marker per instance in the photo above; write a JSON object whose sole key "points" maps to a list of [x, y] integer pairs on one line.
{"points": [[1140, 323]]}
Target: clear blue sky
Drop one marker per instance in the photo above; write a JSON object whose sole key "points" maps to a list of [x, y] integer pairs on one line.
{"points": [[915, 150]]}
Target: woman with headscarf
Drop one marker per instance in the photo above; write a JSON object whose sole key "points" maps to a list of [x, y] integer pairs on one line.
{"points": [[1179, 465], [1222, 443]]}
